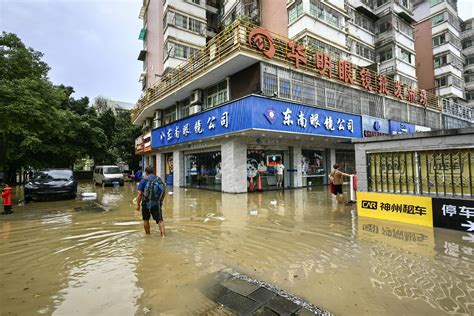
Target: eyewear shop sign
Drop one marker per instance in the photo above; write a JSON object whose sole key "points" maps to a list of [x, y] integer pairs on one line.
{"points": [[259, 114], [373, 126], [406, 209]]}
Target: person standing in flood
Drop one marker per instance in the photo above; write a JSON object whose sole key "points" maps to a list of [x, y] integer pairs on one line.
{"points": [[337, 177], [280, 167], [7, 199], [151, 192]]}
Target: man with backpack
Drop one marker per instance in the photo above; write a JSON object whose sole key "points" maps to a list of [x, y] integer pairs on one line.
{"points": [[151, 192]]}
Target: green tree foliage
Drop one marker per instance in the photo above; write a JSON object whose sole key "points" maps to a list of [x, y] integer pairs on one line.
{"points": [[42, 125]]}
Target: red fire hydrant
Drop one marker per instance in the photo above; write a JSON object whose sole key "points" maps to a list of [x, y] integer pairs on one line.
{"points": [[7, 199]]}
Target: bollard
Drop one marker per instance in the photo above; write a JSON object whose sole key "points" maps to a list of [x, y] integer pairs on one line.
{"points": [[352, 188]]}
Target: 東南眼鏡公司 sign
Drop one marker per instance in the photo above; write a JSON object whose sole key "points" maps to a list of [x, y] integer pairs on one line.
{"points": [[259, 113], [400, 208], [453, 214]]}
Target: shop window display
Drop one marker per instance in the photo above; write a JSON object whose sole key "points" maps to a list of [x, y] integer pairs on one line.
{"points": [[262, 169], [313, 167], [203, 170]]}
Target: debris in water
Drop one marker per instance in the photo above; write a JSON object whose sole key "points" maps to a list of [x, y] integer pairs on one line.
{"points": [[171, 193], [89, 194], [253, 213], [273, 202]]}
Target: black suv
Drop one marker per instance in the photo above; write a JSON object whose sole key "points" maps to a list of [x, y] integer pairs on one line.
{"points": [[51, 183]]}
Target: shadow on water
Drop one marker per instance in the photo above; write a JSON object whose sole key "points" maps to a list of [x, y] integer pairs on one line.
{"points": [[56, 255]]}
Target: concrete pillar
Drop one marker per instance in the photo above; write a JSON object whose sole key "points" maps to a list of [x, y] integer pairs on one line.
{"points": [[234, 167], [178, 168], [332, 158], [361, 167], [160, 166], [297, 175]]}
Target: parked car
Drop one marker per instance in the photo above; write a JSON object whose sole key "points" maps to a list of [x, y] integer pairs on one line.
{"points": [[107, 175], [51, 183]]}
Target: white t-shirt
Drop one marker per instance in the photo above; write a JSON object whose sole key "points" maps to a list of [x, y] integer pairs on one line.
{"points": [[280, 168]]}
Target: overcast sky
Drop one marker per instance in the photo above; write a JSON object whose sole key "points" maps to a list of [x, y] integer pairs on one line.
{"points": [[92, 45]]}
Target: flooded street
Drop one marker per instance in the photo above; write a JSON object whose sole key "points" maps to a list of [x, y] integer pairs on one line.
{"points": [[92, 257]]}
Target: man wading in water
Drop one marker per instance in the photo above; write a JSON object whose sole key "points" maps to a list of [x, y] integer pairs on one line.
{"points": [[337, 178], [151, 192]]}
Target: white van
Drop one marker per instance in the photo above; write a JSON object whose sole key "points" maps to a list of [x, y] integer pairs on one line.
{"points": [[107, 175]]}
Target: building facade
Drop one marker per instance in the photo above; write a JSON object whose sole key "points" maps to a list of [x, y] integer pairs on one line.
{"points": [[467, 42], [254, 98], [438, 46]]}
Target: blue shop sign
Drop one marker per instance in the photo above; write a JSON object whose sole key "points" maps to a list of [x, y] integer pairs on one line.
{"points": [[397, 128], [374, 126], [258, 113]]}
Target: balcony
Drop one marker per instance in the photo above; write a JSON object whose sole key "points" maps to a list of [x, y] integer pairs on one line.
{"points": [[223, 56]]}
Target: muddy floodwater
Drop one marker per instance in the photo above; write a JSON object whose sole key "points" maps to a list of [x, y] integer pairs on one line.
{"points": [[91, 257]]}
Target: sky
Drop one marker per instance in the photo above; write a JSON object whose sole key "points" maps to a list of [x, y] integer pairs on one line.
{"points": [[92, 45]]}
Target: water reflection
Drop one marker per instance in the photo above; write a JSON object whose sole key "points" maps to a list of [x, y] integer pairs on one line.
{"points": [[68, 252]]}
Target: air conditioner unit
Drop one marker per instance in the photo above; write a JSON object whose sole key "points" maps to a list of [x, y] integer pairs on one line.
{"points": [[194, 109], [158, 115], [196, 97], [147, 123], [157, 123]]}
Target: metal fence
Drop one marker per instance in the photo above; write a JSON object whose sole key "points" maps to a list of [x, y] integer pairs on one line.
{"points": [[427, 172]]}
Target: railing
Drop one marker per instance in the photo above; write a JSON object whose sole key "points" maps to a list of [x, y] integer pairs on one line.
{"points": [[233, 39], [434, 172]]}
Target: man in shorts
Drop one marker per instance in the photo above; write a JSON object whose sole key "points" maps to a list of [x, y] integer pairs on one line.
{"points": [[150, 207], [337, 178]]}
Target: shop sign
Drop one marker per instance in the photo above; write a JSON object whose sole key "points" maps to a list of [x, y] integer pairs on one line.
{"points": [[397, 128], [147, 142], [400, 208], [322, 63], [453, 214], [373, 126], [139, 145], [259, 114], [419, 128]]}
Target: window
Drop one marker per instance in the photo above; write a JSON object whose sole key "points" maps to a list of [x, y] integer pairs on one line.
{"points": [[439, 40], [216, 94], [440, 61], [405, 56], [470, 95], [180, 21], [322, 12], [441, 82], [198, 2], [470, 60], [437, 19], [178, 50], [469, 77], [313, 43], [364, 51], [384, 26], [385, 55], [184, 22], [169, 115], [362, 21], [195, 25], [405, 28], [381, 2], [295, 11], [466, 44], [435, 2]]}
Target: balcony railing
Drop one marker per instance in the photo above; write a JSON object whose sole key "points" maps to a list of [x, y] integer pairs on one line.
{"points": [[233, 40]]}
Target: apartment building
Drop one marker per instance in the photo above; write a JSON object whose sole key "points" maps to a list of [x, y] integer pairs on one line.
{"points": [[375, 33], [438, 47], [467, 43], [281, 82]]}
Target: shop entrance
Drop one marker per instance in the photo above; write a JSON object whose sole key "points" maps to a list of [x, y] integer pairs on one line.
{"points": [[314, 167], [262, 169], [203, 170], [169, 169]]}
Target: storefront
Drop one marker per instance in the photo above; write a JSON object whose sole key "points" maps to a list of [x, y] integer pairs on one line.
{"points": [[203, 170], [256, 144]]}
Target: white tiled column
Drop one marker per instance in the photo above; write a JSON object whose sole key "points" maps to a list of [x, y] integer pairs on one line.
{"points": [[297, 175], [178, 168], [160, 166], [234, 167]]}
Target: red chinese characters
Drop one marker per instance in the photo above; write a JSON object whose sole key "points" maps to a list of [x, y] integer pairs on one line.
{"points": [[262, 39], [382, 84], [397, 90], [344, 71], [411, 94], [323, 63], [366, 79], [298, 53], [423, 99]]}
